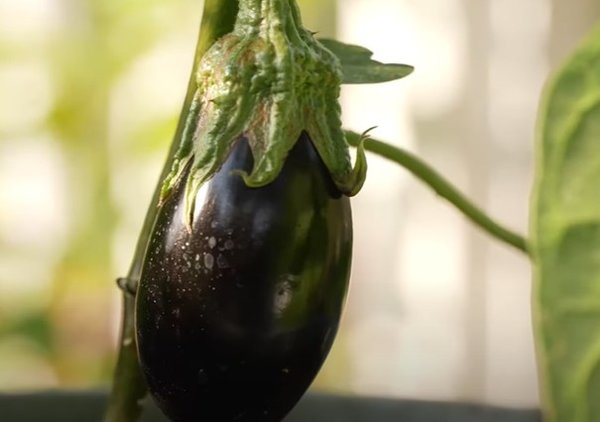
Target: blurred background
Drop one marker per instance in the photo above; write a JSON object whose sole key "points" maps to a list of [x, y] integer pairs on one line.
{"points": [[90, 92]]}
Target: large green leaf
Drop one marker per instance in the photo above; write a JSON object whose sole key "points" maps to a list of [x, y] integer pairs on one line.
{"points": [[565, 233], [359, 68]]}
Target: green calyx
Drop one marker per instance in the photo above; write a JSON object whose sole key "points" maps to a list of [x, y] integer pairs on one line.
{"points": [[268, 81]]}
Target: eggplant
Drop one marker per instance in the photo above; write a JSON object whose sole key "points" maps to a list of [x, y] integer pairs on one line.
{"points": [[236, 313]]}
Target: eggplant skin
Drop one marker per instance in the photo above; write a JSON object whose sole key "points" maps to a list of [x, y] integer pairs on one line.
{"points": [[235, 317]]}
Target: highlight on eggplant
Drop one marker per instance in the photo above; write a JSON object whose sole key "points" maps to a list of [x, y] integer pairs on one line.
{"points": [[236, 314]]}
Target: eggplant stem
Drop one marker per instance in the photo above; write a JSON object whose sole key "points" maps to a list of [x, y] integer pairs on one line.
{"points": [[129, 388], [442, 187]]}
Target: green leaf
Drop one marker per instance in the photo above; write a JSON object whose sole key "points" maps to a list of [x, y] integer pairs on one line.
{"points": [[359, 68], [565, 234]]}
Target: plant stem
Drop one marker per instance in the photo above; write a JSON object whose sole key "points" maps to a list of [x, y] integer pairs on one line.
{"points": [[443, 188], [129, 387]]}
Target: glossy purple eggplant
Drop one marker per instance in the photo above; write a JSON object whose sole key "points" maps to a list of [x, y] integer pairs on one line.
{"points": [[235, 317]]}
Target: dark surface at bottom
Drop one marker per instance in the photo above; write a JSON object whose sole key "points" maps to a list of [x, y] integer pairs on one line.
{"points": [[89, 406]]}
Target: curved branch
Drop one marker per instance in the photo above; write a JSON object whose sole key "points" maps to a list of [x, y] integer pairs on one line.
{"points": [[443, 188]]}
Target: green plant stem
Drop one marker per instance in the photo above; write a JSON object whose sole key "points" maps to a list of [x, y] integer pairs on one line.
{"points": [[129, 387], [443, 188]]}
